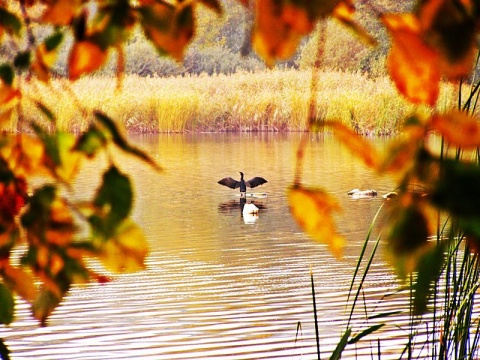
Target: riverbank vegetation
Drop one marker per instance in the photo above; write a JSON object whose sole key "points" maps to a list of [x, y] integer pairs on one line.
{"points": [[275, 100]]}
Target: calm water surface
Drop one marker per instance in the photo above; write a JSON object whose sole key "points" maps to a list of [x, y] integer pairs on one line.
{"points": [[217, 286]]}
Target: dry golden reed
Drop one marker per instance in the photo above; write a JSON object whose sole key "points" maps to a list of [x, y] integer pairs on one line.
{"points": [[264, 101]]}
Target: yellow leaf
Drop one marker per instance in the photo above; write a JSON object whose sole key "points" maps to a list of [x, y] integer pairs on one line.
{"points": [[458, 128], [6, 118], [85, 57], [61, 226], [61, 12], [25, 154], [413, 66], [313, 210], [71, 160], [44, 60], [125, 252], [358, 145]]}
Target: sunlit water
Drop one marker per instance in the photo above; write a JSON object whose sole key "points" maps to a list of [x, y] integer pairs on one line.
{"points": [[217, 286]]}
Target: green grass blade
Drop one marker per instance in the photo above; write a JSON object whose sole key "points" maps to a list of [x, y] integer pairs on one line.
{"points": [[337, 353]]}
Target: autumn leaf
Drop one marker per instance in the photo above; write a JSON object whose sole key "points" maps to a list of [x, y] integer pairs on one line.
{"points": [[168, 27], [449, 27], [8, 94], [70, 160], [313, 211], [25, 154], [85, 57], [358, 145], [459, 128], [272, 38], [19, 280], [45, 56], [61, 227], [126, 251], [61, 12], [413, 66]]}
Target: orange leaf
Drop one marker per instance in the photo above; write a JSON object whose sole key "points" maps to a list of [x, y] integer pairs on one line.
{"points": [[85, 57], [313, 210], [169, 28], [8, 94], [297, 18], [19, 280], [272, 38], [458, 128], [358, 145], [413, 66], [61, 12], [448, 27]]}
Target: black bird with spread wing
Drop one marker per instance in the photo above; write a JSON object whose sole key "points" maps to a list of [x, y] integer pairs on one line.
{"points": [[242, 184]]}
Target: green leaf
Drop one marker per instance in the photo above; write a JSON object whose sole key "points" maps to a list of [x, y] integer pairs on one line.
{"points": [[429, 268], [44, 305], [7, 305], [45, 111], [365, 332], [53, 41], [337, 353], [91, 141], [458, 189], [49, 141], [22, 60], [409, 230], [6, 74], [39, 207], [4, 352], [10, 22], [113, 200], [121, 142]]}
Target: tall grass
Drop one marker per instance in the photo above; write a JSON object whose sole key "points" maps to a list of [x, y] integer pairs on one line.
{"points": [[451, 327], [263, 101]]}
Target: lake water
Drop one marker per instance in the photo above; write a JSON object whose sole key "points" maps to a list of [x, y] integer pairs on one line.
{"points": [[217, 286]]}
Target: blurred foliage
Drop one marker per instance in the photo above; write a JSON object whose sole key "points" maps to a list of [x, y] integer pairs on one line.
{"points": [[433, 43]]}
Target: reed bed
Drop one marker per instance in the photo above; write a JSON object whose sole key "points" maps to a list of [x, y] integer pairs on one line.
{"points": [[264, 101]]}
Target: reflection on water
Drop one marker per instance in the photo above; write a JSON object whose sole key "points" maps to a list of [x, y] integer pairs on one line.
{"points": [[218, 285]]}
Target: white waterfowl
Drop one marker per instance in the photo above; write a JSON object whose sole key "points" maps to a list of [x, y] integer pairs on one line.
{"points": [[250, 209], [360, 194]]}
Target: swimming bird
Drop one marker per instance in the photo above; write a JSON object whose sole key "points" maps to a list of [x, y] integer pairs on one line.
{"points": [[249, 208], [358, 194], [242, 184]]}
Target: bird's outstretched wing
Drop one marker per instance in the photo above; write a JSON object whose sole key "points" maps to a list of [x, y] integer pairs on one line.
{"points": [[257, 180], [231, 183]]}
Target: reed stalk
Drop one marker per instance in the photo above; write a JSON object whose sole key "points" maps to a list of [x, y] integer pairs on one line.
{"points": [[274, 100]]}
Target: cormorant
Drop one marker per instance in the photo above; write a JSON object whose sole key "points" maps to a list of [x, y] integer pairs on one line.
{"points": [[242, 184]]}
